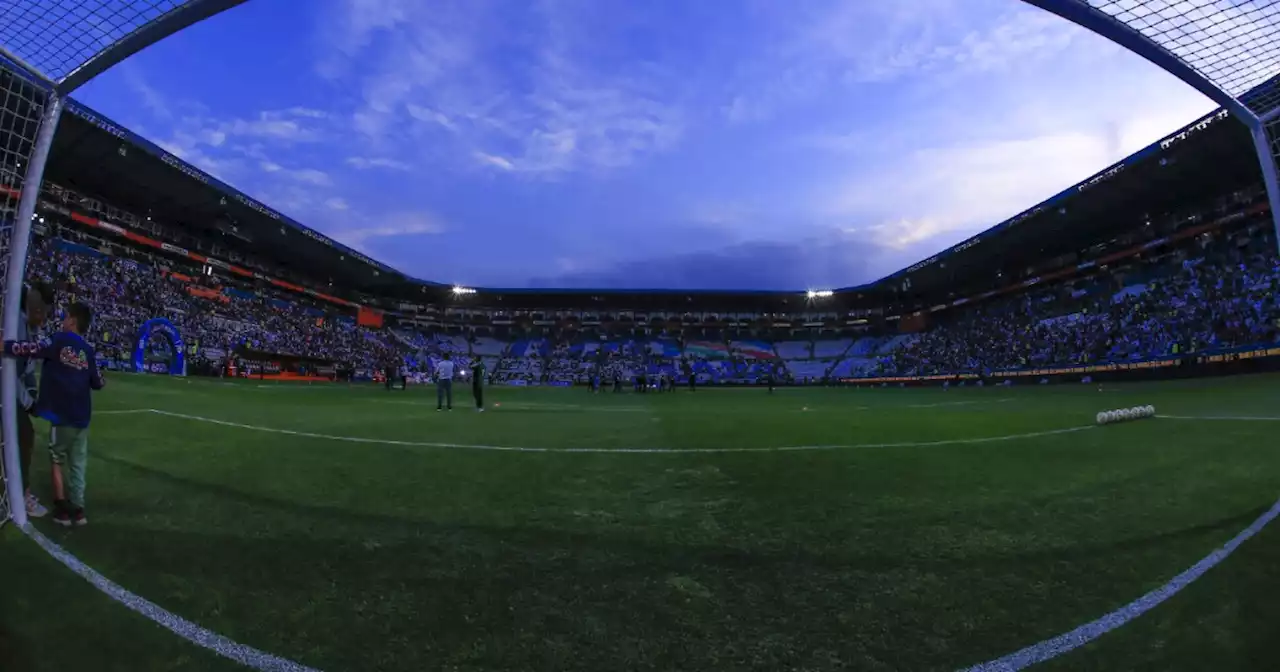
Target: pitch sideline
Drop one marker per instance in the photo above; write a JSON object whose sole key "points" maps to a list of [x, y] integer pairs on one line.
{"points": [[641, 451]]}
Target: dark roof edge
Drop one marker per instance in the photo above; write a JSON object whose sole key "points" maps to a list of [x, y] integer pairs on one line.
{"points": [[106, 124]]}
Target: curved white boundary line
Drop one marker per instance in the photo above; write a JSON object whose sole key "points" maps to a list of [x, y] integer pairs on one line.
{"points": [[202, 637], [666, 451], [1068, 641]]}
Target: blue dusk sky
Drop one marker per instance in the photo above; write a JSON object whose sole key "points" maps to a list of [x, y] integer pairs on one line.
{"points": [[713, 144]]}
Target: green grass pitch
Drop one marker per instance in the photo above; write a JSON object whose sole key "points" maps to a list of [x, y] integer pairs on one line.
{"points": [[397, 555]]}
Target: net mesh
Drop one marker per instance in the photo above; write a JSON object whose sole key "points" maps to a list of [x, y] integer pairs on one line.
{"points": [[1233, 43], [21, 107], [57, 36]]}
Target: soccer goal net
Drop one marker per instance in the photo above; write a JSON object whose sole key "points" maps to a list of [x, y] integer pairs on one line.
{"points": [[49, 48]]}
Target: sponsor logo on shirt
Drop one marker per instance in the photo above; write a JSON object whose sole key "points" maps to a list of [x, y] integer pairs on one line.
{"points": [[73, 358]]}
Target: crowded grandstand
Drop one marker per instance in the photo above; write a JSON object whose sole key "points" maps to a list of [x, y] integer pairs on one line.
{"points": [[1133, 285]]}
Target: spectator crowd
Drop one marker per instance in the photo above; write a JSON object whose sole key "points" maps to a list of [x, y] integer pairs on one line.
{"points": [[1214, 293]]}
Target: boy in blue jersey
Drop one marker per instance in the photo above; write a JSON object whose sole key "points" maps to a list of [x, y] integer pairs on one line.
{"points": [[69, 374]]}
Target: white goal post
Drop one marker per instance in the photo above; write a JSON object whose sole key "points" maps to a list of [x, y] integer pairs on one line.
{"points": [[47, 50]]}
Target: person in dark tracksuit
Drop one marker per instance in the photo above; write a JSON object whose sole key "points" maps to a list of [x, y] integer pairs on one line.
{"points": [[477, 383]]}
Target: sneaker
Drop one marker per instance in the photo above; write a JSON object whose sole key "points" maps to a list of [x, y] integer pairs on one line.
{"points": [[62, 513], [78, 518], [34, 509], [480, 410]]}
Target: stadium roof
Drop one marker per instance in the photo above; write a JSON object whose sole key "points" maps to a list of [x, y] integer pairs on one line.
{"points": [[96, 156]]}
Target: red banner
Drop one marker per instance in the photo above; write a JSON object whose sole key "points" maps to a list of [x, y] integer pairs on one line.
{"points": [[207, 293], [369, 317]]}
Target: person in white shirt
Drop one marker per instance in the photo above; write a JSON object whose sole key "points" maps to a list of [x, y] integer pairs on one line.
{"points": [[444, 383]]}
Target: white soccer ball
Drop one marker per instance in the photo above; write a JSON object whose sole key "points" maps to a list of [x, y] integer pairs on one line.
{"points": [[1102, 417], [1130, 414], [1151, 411], [1111, 417], [1126, 414]]}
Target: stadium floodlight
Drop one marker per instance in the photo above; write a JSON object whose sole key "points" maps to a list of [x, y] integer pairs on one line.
{"points": [[462, 291], [819, 293], [47, 50], [1228, 50]]}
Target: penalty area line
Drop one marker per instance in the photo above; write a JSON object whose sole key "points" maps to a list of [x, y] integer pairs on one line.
{"points": [[200, 636], [643, 451]]}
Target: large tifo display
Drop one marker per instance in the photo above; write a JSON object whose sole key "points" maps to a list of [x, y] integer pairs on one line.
{"points": [[160, 349]]}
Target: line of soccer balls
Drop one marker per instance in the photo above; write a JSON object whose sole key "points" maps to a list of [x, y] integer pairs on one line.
{"points": [[1123, 414]]}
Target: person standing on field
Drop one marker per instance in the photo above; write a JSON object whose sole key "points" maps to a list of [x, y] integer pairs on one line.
{"points": [[477, 383], [35, 304], [444, 383], [68, 375]]}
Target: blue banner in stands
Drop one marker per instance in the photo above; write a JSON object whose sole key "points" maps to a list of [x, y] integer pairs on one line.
{"points": [[177, 364]]}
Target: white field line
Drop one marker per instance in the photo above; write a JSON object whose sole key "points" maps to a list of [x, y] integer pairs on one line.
{"points": [[204, 638], [1236, 418], [429, 404], [955, 403], [1068, 641], [123, 412], [526, 449]]}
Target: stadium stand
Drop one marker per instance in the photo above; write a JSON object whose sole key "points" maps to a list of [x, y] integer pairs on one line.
{"points": [[795, 350], [1185, 270]]}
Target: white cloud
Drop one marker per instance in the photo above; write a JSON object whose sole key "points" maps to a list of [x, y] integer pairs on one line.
{"points": [[270, 126], [950, 190], [390, 226], [367, 163], [153, 100], [429, 115], [442, 66], [336, 204], [310, 176], [494, 161], [825, 49], [307, 112]]}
